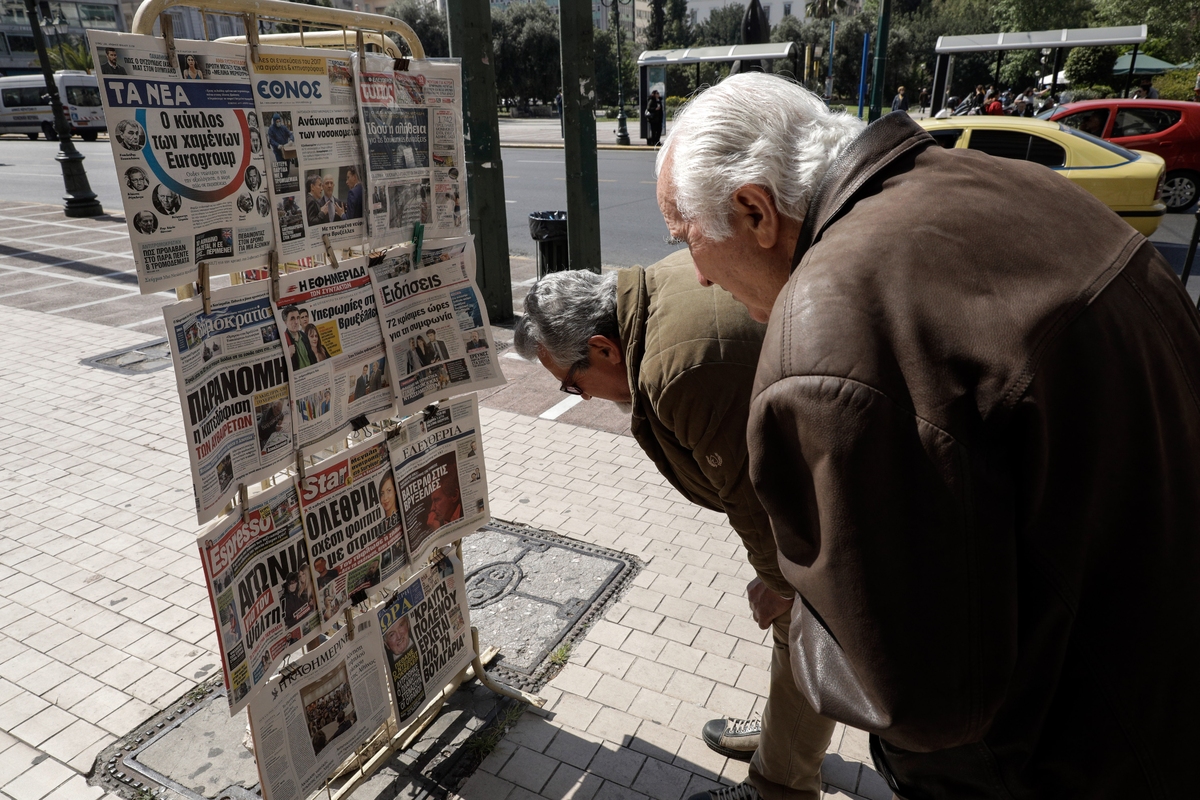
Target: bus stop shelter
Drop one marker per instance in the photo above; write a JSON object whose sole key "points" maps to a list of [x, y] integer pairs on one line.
{"points": [[949, 46], [652, 66]]}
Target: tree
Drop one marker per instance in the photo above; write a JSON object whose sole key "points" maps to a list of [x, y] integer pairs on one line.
{"points": [[655, 30], [72, 53], [1173, 25], [723, 26], [426, 21], [677, 29], [1035, 15], [824, 9], [525, 44], [605, 48], [1091, 66]]}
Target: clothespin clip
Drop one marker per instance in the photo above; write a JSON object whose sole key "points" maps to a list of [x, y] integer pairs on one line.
{"points": [[329, 250], [167, 26], [202, 285], [300, 462], [273, 266], [244, 501], [350, 623], [361, 46], [251, 23], [418, 240]]}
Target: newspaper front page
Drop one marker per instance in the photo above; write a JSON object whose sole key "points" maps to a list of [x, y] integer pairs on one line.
{"points": [[309, 119], [232, 374], [263, 596], [413, 140], [318, 710], [435, 324], [352, 519], [437, 457], [330, 332], [189, 156], [426, 629]]}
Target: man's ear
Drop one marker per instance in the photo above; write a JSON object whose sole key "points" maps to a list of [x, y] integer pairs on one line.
{"points": [[606, 349], [754, 211]]}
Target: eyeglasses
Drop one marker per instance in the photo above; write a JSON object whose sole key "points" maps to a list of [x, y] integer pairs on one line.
{"points": [[568, 384]]}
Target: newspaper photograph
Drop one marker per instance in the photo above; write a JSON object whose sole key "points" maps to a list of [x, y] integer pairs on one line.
{"points": [[352, 519], [309, 121], [261, 588], [437, 457], [330, 332], [426, 630], [189, 156], [232, 374], [435, 324], [318, 710], [412, 133]]}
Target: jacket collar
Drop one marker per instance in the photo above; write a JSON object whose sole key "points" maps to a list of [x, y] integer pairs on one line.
{"points": [[879, 145], [631, 323]]}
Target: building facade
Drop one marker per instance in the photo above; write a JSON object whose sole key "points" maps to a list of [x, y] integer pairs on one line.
{"points": [[17, 53]]}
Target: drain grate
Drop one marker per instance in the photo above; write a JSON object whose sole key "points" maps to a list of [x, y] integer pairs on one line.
{"points": [[137, 360], [533, 591]]}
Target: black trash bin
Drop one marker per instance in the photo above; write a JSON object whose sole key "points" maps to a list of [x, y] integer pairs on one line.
{"points": [[549, 230]]}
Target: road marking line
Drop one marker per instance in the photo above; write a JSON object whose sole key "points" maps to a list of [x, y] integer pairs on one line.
{"points": [[511, 201], [563, 406], [605, 180], [92, 303], [143, 322], [513, 356], [541, 162], [649, 183]]}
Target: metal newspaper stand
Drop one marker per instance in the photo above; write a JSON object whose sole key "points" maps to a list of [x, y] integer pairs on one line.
{"points": [[322, 27]]}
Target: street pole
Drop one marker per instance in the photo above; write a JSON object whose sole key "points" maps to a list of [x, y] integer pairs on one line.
{"points": [[80, 199], [622, 127], [862, 73], [881, 37]]}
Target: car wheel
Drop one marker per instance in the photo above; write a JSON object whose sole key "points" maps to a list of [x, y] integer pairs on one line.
{"points": [[1180, 190], [89, 136], [50, 133], [32, 137]]}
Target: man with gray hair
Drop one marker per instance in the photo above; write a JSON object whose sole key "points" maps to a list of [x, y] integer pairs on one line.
{"points": [[682, 360], [980, 467]]}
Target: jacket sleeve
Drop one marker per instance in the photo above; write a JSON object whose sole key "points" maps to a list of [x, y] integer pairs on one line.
{"points": [[900, 542], [706, 408]]}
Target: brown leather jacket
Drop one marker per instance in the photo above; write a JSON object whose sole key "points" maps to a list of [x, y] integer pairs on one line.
{"points": [[982, 466], [691, 353]]}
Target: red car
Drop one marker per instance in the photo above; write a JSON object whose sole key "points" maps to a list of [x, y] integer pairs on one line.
{"points": [[1168, 128]]}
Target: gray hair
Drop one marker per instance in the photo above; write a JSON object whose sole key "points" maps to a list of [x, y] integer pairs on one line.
{"points": [[757, 129], [562, 311]]}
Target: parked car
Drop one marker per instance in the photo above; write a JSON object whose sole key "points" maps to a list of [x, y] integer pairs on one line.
{"points": [[1168, 128], [24, 107], [1127, 181]]}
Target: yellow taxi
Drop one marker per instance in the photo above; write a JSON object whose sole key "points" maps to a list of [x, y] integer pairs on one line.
{"points": [[1130, 182]]}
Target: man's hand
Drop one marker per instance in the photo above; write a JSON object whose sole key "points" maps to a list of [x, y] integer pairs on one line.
{"points": [[765, 604]]}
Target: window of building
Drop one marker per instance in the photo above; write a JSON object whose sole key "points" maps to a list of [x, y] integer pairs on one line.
{"points": [[787, 9], [96, 16], [14, 13], [20, 44]]}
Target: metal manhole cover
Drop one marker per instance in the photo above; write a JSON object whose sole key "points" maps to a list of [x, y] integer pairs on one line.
{"points": [[137, 360], [531, 591]]}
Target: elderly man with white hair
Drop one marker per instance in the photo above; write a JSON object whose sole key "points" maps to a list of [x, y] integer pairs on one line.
{"points": [[980, 465]]}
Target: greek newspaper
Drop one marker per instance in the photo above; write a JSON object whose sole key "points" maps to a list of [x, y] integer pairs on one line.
{"points": [[330, 332], [310, 128], [413, 139], [318, 710], [232, 375], [261, 589], [189, 156], [426, 628], [352, 520], [435, 327], [437, 457]]}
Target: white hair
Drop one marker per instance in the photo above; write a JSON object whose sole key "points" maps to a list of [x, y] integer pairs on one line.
{"points": [[563, 311], [752, 128]]}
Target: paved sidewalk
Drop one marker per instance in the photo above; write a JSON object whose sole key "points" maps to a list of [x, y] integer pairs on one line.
{"points": [[104, 619]]}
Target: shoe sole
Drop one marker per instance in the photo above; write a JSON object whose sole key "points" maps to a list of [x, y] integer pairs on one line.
{"points": [[738, 755]]}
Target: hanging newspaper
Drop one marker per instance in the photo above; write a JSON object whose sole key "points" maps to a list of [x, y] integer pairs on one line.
{"points": [[318, 711], [189, 156], [413, 138], [262, 592], [426, 628], [232, 375], [353, 524], [310, 125], [330, 331], [437, 457], [435, 327]]}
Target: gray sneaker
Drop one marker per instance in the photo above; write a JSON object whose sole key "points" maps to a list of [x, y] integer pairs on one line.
{"points": [[743, 791], [733, 738]]}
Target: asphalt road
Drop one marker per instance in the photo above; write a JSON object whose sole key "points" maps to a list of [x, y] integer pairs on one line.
{"points": [[631, 227]]}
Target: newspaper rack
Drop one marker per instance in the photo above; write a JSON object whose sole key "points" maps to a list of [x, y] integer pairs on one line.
{"points": [[344, 29]]}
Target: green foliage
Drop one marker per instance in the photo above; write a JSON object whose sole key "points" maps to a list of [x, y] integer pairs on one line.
{"points": [[605, 49], [723, 26], [426, 21], [561, 655], [1089, 66], [525, 47], [1173, 25], [824, 9], [71, 53], [1178, 84], [677, 29], [653, 34]]}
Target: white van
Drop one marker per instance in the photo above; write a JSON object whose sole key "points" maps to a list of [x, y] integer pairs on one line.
{"points": [[24, 109]]}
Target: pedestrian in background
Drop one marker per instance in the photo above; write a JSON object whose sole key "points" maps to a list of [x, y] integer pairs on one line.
{"points": [[900, 102]]}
